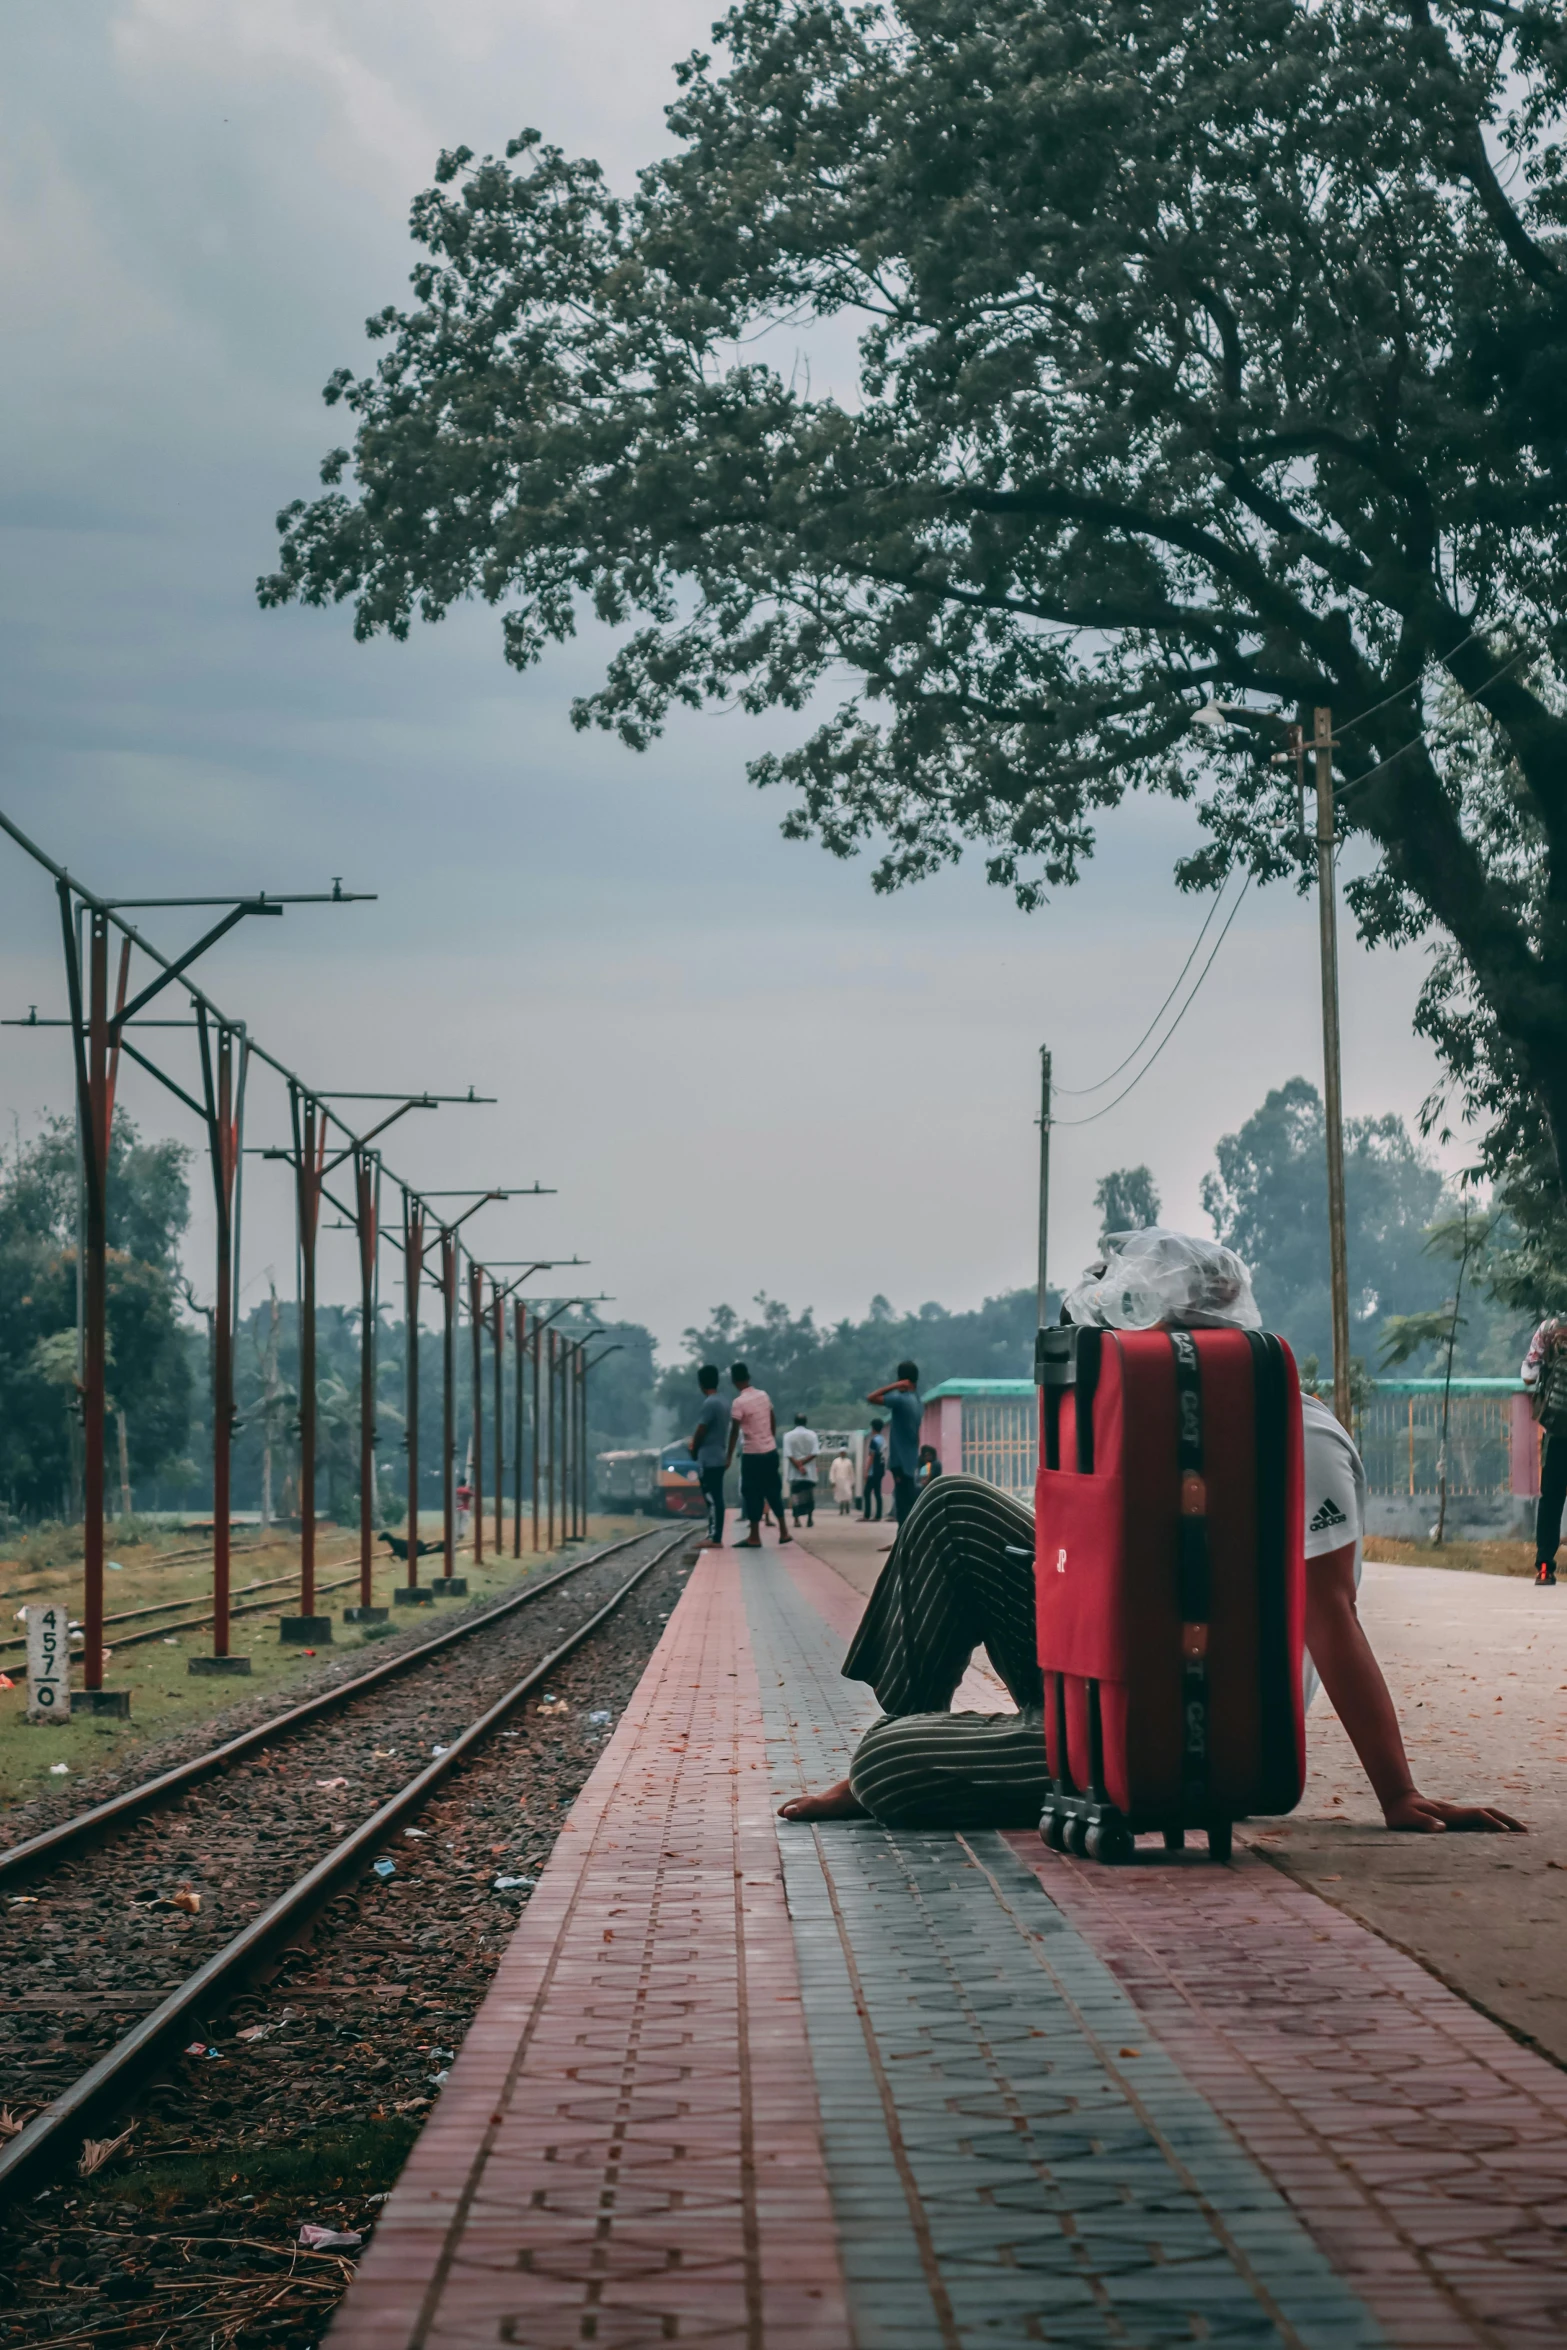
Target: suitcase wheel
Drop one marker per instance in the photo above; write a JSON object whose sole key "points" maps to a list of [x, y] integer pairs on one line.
{"points": [[1109, 1842], [1077, 1833], [1053, 1829], [1220, 1838], [1175, 1839]]}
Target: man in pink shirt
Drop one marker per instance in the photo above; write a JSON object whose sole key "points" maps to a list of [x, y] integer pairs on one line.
{"points": [[753, 1423]]}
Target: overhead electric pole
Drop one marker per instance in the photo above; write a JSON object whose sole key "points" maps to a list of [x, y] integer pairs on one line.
{"points": [[1332, 1082], [1044, 1182]]}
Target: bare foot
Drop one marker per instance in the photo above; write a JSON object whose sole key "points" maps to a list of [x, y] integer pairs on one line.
{"points": [[837, 1802]]}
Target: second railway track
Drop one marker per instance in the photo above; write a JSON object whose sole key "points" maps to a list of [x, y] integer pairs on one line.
{"points": [[157, 1907]]}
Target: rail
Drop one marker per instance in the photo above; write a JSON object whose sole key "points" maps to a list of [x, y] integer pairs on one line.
{"points": [[86, 1827], [49, 2140]]}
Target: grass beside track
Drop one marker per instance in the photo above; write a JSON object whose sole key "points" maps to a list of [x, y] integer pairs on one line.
{"points": [[1469, 1558], [165, 1696]]}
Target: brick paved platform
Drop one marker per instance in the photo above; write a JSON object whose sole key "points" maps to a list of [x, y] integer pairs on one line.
{"points": [[741, 2082]]}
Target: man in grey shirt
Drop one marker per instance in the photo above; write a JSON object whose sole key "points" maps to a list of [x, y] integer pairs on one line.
{"points": [[709, 1444], [904, 1413]]}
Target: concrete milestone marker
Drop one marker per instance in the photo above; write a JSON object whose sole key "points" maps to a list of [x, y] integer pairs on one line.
{"points": [[48, 1663]]}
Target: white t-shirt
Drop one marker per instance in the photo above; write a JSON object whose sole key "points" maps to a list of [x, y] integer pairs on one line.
{"points": [[1335, 1496], [801, 1447]]}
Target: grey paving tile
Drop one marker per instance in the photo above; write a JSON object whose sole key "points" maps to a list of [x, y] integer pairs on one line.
{"points": [[968, 2118]]}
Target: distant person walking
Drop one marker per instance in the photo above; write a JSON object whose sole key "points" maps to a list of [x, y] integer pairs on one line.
{"points": [[904, 1411], [709, 1441], [753, 1425], [1545, 1375], [930, 1465], [841, 1478], [875, 1470], [802, 1449]]}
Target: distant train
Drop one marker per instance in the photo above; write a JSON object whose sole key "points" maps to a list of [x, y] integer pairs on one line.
{"points": [[662, 1484]]}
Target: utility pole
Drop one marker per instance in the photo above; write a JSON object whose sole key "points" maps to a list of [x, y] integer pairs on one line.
{"points": [[538, 1341], [367, 1225], [520, 1351], [1332, 1081], [1044, 1181], [549, 1475], [498, 1313], [268, 1407], [411, 1592], [476, 1328], [307, 1629]]}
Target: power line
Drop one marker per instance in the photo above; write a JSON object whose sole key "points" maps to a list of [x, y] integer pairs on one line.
{"points": [[1399, 692], [1100, 1083], [1342, 790], [1174, 1024]]}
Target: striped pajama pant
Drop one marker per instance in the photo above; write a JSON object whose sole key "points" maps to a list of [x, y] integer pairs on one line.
{"points": [[950, 1586]]}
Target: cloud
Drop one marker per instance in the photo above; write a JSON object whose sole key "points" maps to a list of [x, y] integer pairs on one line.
{"points": [[741, 1068]]}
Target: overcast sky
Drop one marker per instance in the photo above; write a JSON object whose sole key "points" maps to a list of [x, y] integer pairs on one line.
{"points": [[741, 1070]]}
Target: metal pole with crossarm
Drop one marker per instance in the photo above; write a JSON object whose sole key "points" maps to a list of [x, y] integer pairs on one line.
{"points": [[1332, 1075]]}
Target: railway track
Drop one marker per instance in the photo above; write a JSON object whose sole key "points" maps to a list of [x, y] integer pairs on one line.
{"points": [[245, 1603], [157, 1908]]}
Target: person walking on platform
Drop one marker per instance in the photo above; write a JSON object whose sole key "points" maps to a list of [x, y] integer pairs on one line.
{"points": [[875, 1471], [802, 1448], [754, 1425], [960, 1575], [708, 1442], [1545, 1375], [905, 1411], [841, 1478]]}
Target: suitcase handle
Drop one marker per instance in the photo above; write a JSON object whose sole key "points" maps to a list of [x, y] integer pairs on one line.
{"points": [[1067, 1357]]}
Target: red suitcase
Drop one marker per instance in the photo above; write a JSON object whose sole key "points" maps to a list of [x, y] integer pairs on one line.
{"points": [[1170, 1570]]}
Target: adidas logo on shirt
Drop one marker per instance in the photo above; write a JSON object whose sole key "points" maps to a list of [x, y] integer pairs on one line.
{"points": [[1329, 1515]]}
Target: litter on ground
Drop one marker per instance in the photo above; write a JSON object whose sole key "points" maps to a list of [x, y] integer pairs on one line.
{"points": [[319, 2239]]}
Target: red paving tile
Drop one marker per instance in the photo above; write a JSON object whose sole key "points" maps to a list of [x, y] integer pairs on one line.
{"points": [[1421, 2146], [628, 2150]]}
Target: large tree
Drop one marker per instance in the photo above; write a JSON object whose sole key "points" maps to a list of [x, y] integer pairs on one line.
{"points": [[1210, 350], [1268, 1199]]}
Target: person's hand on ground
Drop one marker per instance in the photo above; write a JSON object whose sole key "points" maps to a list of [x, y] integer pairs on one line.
{"points": [[1427, 1815]]}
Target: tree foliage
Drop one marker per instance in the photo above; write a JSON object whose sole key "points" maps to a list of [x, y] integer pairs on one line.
{"points": [[1127, 1199], [829, 1370], [1268, 1200], [149, 1371], [1208, 348]]}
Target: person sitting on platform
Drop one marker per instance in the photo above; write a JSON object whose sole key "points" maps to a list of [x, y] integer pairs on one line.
{"points": [[960, 1576]]}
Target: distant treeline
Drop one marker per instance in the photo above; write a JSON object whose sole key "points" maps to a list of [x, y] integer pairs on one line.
{"points": [[1267, 1197]]}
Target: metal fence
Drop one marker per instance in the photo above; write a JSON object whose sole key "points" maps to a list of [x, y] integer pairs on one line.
{"points": [[1400, 1440], [1000, 1441], [1398, 1430]]}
